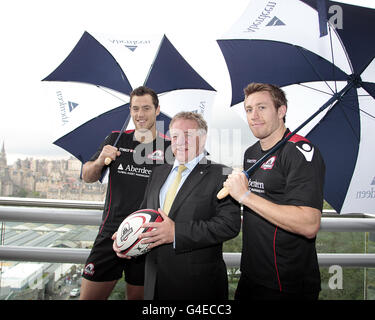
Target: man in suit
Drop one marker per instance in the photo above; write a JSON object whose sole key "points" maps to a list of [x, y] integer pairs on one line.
{"points": [[186, 261]]}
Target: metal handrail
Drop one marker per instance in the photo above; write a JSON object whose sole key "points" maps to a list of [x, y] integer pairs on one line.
{"points": [[51, 203], [232, 259], [43, 254], [65, 212], [51, 215], [90, 213]]}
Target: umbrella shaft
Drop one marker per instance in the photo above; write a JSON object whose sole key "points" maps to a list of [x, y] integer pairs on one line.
{"points": [[122, 129], [108, 160]]}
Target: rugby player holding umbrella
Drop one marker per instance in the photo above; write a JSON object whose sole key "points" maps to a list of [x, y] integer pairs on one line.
{"points": [[282, 203], [133, 158]]}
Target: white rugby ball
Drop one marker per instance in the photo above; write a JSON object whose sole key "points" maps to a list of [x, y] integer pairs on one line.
{"points": [[129, 230]]}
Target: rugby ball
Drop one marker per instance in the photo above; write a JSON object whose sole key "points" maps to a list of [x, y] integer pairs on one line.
{"points": [[129, 230]]}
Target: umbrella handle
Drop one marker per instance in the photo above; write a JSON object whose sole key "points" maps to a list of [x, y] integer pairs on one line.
{"points": [[222, 193], [107, 161]]}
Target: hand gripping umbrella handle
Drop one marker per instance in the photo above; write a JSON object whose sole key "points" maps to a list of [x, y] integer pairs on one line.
{"points": [[107, 161], [224, 191]]}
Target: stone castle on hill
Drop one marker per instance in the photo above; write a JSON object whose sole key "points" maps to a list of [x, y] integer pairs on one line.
{"points": [[51, 179]]}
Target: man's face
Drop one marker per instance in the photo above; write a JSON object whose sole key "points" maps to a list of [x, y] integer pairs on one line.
{"points": [[187, 141], [262, 116], [143, 112]]}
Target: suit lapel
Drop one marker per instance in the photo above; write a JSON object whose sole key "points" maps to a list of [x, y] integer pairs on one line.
{"points": [[194, 178]]}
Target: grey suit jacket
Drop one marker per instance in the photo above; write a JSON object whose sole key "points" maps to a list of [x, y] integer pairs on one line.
{"points": [[195, 268]]}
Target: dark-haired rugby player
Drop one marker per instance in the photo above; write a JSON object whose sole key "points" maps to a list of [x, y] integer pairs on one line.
{"points": [[136, 154]]}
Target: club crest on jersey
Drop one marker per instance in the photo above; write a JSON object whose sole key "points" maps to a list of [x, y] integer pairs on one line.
{"points": [[156, 155], [268, 165]]}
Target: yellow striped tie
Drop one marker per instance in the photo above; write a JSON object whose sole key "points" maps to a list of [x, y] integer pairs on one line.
{"points": [[169, 198]]}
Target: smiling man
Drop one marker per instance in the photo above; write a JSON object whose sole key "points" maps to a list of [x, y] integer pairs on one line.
{"points": [[282, 205], [186, 259], [136, 155]]}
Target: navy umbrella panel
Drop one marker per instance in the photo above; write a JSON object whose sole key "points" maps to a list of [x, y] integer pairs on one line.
{"points": [[90, 62], [338, 140], [273, 62], [345, 134], [97, 129], [170, 71], [356, 34], [96, 61], [338, 134], [280, 63]]}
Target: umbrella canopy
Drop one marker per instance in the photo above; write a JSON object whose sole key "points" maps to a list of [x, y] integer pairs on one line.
{"points": [[281, 42], [91, 87]]}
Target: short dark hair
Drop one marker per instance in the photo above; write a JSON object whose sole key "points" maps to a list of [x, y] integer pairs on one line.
{"points": [[277, 94], [141, 91]]}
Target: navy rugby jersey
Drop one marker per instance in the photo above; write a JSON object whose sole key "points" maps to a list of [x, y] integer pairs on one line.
{"points": [[271, 256], [129, 174]]}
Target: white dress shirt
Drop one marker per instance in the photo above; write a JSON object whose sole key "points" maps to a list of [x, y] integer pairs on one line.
{"points": [[189, 168]]}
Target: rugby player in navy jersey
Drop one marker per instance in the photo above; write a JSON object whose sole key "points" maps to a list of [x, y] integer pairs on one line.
{"points": [[282, 203], [133, 159]]}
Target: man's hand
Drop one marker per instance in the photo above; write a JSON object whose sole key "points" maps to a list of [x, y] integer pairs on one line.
{"points": [[92, 170], [163, 232], [108, 151], [116, 248], [237, 184]]}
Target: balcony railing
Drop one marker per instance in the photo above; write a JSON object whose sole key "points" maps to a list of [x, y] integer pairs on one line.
{"points": [[90, 213]]}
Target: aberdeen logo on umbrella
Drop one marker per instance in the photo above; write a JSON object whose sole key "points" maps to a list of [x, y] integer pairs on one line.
{"points": [[275, 22], [72, 105], [264, 16], [131, 44], [131, 48]]}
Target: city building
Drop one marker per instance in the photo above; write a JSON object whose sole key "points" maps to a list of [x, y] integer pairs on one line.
{"points": [[51, 179]]}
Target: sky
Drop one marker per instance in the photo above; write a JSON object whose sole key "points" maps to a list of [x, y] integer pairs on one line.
{"points": [[38, 35]]}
